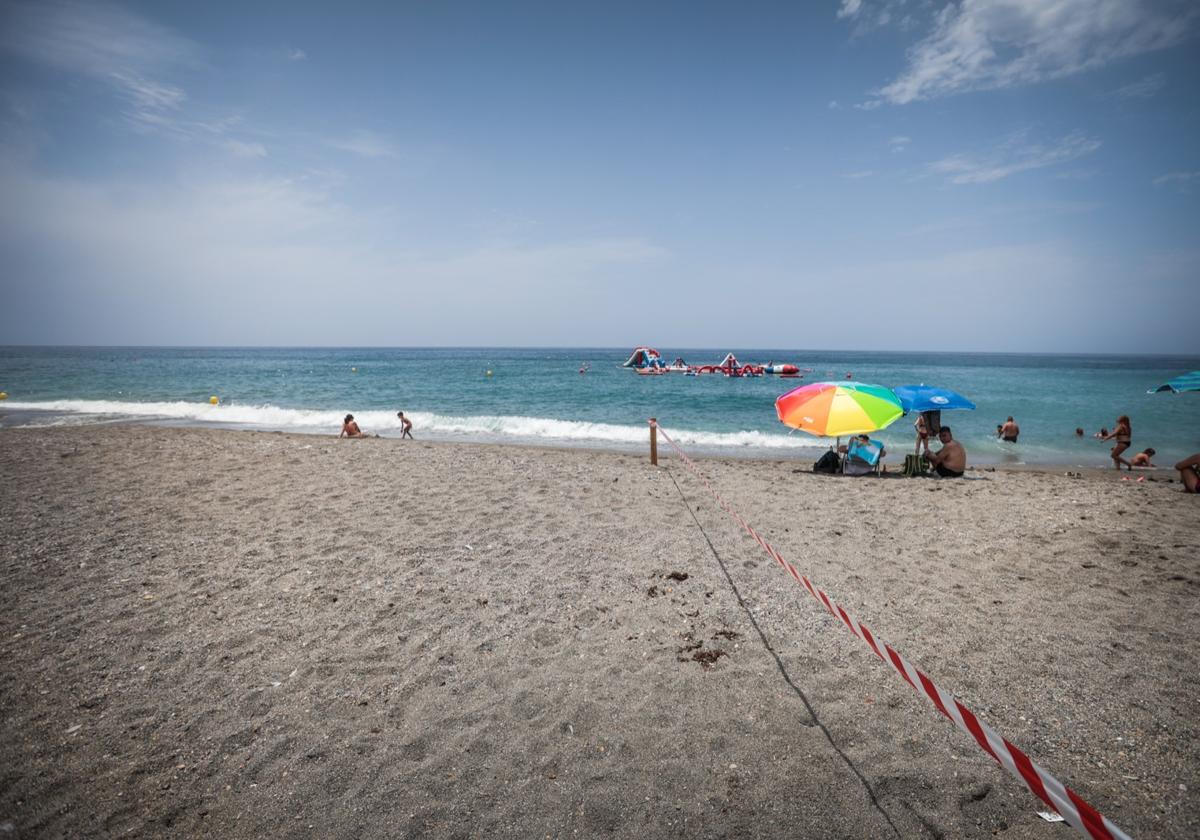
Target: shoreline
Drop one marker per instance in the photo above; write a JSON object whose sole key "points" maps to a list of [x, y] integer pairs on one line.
{"points": [[894, 459], [258, 634]]}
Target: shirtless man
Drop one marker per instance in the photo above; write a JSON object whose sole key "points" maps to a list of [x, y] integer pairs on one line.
{"points": [[350, 428], [951, 460], [1009, 431]]}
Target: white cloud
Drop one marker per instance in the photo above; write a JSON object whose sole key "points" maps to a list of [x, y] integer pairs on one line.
{"points": [[219, 260], [367, 144], [991, 44], [297, 54], [238, 148], [899, 143], [1142, 89], [849, 8], [102, 42], [858, 176], [1014, 155], [1183, 180]]}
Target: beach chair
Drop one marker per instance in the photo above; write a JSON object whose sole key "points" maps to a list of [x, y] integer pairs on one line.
{"points": [[862, 458]]}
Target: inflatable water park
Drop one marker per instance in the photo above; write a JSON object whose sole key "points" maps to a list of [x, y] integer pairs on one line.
{"points": [[649, 362]]}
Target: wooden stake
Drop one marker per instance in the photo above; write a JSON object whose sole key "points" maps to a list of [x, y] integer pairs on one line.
{"points": [[653, 442]]}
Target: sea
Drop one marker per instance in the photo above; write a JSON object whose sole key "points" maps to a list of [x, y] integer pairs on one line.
{"points": [[585, 398]]}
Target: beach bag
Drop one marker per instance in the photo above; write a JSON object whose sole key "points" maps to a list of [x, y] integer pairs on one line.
{"points": [[827, 463], [915, 465]]}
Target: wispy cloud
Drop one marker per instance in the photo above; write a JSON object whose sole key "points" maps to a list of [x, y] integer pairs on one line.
{"points": [[297, 54], [1142, 89], [105, 43], [238, 148], [1016, 154], [858, 176], [899, 143], [992, 44], [367, 144], [849, 8], [1183, 180]]}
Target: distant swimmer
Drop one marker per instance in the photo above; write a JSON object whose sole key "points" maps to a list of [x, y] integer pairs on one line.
{"points": [[1009, 430], [350, 428], [405, 426]]}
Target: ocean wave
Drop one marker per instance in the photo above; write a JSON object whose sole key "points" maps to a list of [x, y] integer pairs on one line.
{"points": [[515, 428]]}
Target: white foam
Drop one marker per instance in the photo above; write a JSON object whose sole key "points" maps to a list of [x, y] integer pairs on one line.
{"points": [[513, 428]]}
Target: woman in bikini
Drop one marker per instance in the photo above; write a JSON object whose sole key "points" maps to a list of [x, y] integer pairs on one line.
{"points": [[1124, 435]]}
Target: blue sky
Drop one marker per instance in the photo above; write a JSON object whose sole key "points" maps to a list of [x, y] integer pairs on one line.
{"points": [[996, 176]]}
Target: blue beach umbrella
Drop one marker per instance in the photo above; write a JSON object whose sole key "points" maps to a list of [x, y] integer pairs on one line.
{"points": [[1187, 382], [929, 398]]}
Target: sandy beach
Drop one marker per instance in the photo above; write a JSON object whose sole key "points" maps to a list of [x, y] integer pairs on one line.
{"points": [[246, 634]]}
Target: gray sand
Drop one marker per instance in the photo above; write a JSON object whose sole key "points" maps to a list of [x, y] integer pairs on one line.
{"points": [[246, 634]]}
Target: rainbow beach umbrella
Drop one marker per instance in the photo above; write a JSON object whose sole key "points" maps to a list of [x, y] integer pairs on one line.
{"points": [[833, 409]]}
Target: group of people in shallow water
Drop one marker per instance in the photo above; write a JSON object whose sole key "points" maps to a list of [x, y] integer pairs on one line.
{"points": [[951, 460], [1122, 433], [350, 428]]}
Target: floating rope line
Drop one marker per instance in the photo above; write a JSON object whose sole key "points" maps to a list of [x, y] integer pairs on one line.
{"points": [[1074, 810]]}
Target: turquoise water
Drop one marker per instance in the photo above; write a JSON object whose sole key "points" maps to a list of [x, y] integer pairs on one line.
{"points": [[538, 396]]}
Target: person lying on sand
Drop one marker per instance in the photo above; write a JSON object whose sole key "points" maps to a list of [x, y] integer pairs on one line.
{"points": [[1142, 459], [1189, 473], [350, 428], [951, 460]]}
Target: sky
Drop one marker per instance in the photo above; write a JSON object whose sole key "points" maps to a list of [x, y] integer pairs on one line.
{"points": [[984, 175]]}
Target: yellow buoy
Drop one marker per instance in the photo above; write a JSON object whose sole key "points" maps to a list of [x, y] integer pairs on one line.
{"points": [[3, 395], [354, 370], [213, 400], [489, 373]]}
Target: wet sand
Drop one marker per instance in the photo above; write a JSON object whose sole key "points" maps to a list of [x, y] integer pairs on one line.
{"points": [[243, 634]]}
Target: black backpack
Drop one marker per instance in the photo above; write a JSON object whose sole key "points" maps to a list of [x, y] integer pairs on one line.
{"points": [[827, 463]]}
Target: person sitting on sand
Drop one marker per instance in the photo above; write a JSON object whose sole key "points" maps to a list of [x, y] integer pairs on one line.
{"points": [[350, 428], [1189, 473], [1142, 459], [862, 455], [1124, 435], [951, 460], [1009, 430], [405, 426]]}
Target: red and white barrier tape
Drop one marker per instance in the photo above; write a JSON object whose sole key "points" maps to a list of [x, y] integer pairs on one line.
{"points": [[1075, 811]]}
